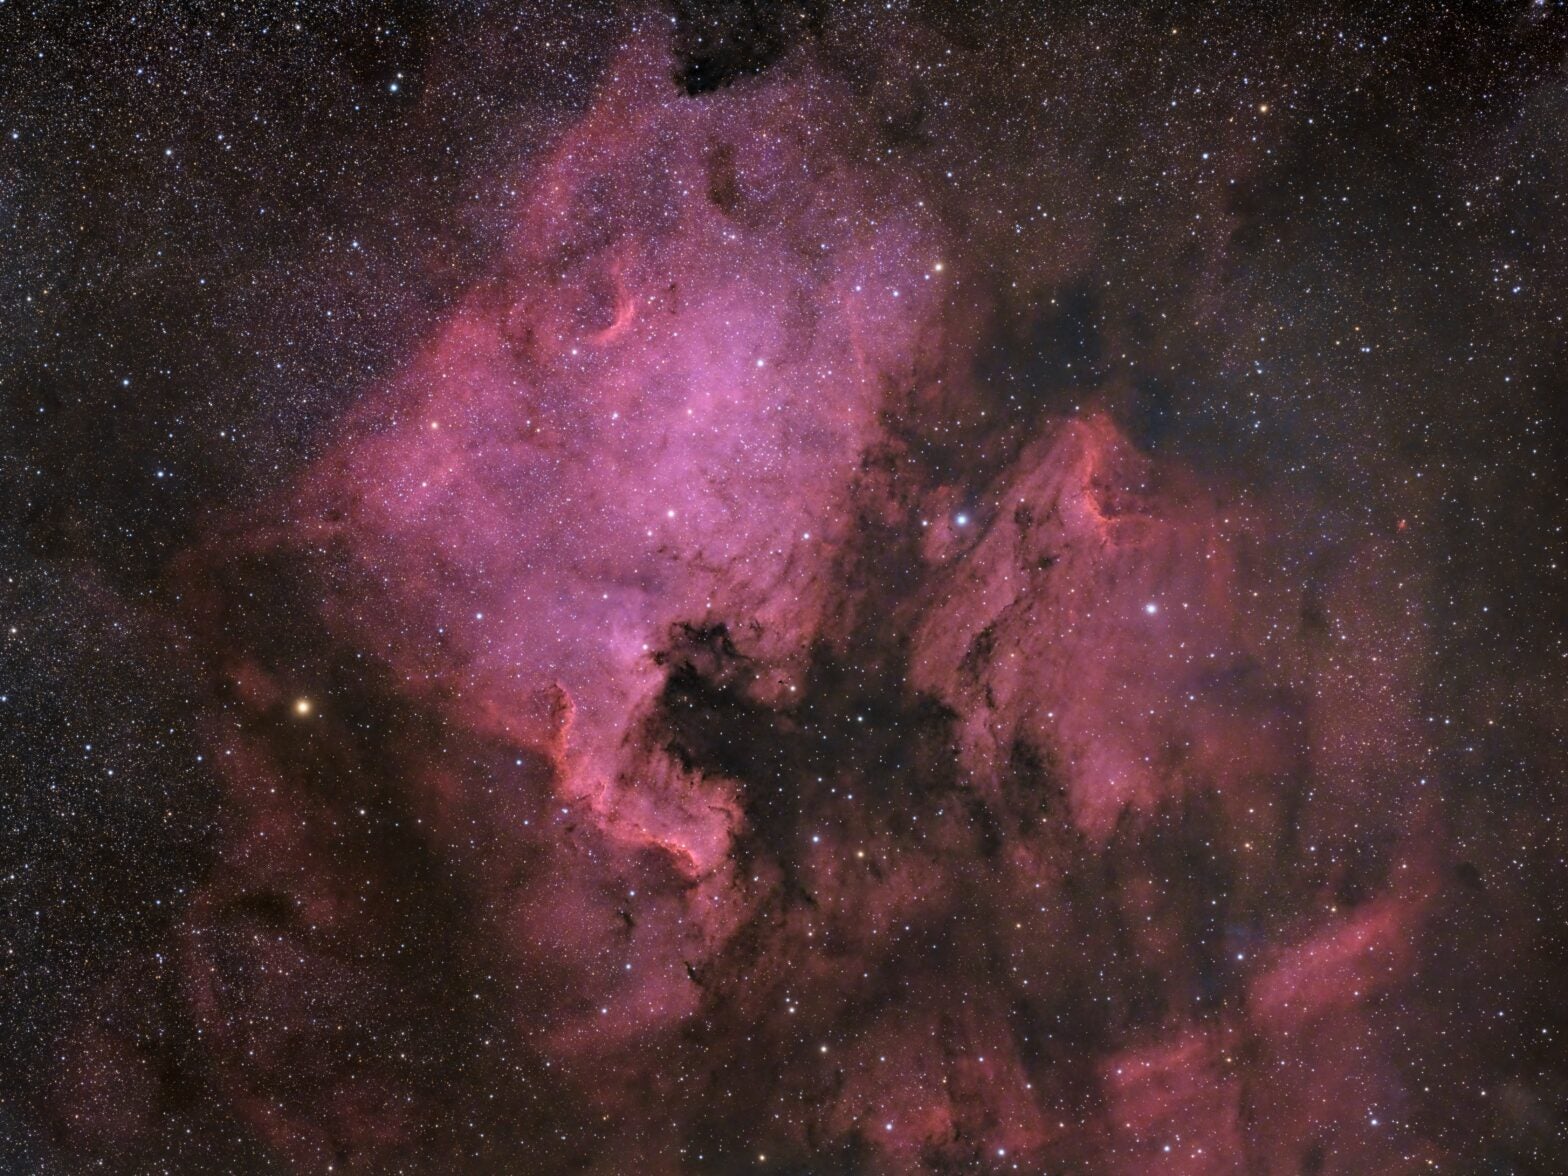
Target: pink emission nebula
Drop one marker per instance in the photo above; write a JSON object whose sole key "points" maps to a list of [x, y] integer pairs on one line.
{"points": [[778, 669]]}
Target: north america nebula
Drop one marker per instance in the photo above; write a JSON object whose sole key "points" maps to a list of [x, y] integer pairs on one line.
{"points": [[746, 587]]}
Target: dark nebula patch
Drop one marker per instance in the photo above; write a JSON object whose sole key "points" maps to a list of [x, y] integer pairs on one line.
{"points": [[719, 41], [760, 587]]}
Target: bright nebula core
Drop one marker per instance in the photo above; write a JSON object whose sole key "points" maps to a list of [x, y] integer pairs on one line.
{"points": [[784, 587]]}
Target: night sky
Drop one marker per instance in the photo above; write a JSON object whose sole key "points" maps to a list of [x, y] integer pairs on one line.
{"points": [[819, 588]]}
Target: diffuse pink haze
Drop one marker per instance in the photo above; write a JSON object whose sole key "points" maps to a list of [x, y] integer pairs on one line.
{"points": [[851, 645], [653, 440]]}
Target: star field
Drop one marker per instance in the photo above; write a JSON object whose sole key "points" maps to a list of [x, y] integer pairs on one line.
{"points": [[783, 587]]}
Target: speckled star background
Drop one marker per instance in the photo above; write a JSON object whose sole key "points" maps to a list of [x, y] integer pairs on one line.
{"points": [[783, 587]]}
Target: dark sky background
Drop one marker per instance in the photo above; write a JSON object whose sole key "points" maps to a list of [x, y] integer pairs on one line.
{"points": [[736, 587]]}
